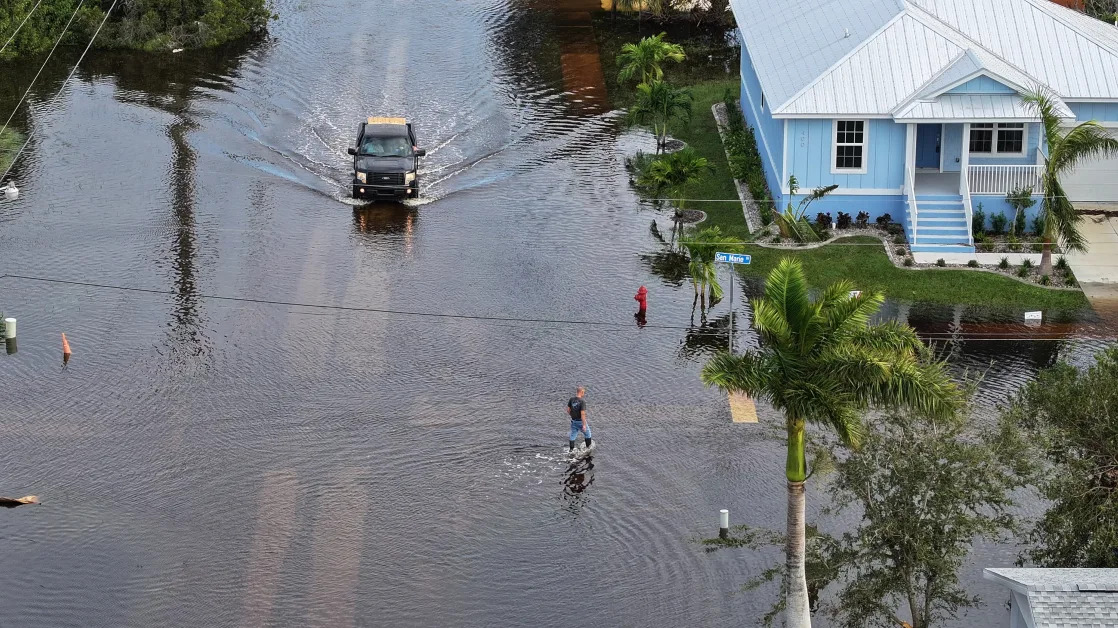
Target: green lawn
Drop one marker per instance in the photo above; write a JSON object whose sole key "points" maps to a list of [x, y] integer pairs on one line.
{"points": [[701, 133], [870, 269]]}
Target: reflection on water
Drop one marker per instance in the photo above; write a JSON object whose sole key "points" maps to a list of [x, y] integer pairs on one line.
{"points": [[576, 480], [385, 218]]}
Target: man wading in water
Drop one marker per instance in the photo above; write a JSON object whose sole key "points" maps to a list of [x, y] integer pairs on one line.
{"points": [[576, 407]]}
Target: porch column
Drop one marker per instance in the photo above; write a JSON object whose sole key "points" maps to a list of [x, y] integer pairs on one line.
{"points": [[910, 159], [964, 161]]}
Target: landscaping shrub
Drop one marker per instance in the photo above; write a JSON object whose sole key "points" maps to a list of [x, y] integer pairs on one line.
{"points": [[1027, 263], [822, 232], [899, 239], [884, 220], [735, 121], [908, 261], [1069, 279], [1038, 225], [765, 209], [983, 243], [894, 229], [863, 220], [1004, 264], [776, 239], [824, 220], [998, 223], [1062, 263], [1014, 243], [1023, 272], [1045, 280], [973, 263], [844, 220], [941, 262], [978, 221], [1019, 224], [901, 252], [744, 159]]}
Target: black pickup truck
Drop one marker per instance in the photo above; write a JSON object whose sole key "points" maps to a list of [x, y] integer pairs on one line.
{"points": [[386, 159]]}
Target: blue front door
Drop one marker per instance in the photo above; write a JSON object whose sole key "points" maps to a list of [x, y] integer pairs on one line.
{"points": [[927, 145]]}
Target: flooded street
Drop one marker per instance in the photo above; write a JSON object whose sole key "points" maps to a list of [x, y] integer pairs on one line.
{"points": [[306, 412]]}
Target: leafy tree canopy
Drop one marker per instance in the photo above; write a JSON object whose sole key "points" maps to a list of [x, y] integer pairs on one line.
{"points": [[142, 24], [1070, 417]]}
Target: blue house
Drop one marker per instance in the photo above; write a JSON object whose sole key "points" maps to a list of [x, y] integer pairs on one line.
{"points": [[914, 107]]}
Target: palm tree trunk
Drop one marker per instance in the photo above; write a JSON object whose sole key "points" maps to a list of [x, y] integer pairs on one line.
{"points": [[1046, 258], [796, 614]]}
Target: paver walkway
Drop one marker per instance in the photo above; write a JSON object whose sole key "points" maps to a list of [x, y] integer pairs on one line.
{"points": [[742, 409]]}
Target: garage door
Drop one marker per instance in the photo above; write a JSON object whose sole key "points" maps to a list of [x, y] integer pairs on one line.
{"points": [[1095, 180]]}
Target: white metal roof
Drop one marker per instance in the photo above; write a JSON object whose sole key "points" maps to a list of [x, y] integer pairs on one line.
{"points": [[973, 107], [899, 50]]}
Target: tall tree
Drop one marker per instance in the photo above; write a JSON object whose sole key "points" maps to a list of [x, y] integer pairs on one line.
{"points": [[1066, 149], [658, 105], [822, 362], [1070, 417], [644, 59], [925, 490]]}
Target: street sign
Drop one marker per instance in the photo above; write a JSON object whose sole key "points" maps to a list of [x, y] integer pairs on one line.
{"points": [[732, 258]]}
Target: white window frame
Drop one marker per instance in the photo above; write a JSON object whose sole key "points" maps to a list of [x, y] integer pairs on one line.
{"points": [[865, 144], [994, 141]]}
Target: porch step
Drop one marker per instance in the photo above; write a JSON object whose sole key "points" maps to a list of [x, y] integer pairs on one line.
{"points": [[941, 248], [941, 238], [958, 221]]}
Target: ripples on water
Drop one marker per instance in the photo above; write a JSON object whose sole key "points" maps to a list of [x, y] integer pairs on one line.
{"points": [[229, 463]]}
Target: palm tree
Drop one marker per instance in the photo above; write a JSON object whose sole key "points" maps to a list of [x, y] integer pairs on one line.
{"points": [[701, 247], [643, 58], [791, 221], [672, 172], [822, 362], [1066, 149], [658, 104]]}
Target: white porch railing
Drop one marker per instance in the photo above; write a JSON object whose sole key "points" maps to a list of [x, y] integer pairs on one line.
{"points": [[967, 209], [1001, 180], [910, 185]]}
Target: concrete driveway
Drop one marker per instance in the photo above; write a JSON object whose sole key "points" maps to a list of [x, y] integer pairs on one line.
{"points": [[1100, 263], [1097, 269]]}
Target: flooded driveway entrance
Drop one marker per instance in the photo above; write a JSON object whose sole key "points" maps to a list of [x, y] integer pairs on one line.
{"points": [[285, 409]]}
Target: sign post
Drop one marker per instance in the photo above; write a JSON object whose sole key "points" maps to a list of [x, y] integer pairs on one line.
{"points": [[732, 259]]}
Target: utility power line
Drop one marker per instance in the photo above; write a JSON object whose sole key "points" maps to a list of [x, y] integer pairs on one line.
{"points": [[5, 47], [60, 87], [615, 325], [41, 68]]}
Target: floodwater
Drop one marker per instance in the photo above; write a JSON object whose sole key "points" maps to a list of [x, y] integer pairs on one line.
{"points": [[270, 428]]}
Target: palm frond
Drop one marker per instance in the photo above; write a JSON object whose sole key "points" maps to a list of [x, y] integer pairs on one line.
{"points": [[787, 290], [750, 373], [1086, 141], [770, 321]]}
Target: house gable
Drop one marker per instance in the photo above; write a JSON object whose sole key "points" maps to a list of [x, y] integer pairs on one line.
{"points": [[983, 84]]}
